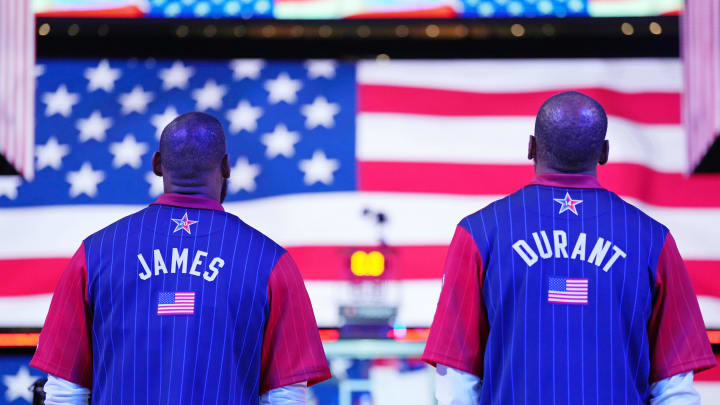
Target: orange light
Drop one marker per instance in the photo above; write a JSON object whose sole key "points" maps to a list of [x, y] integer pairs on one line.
{"points": [[329, 335], [714, 336], [411, 335], [19, 339]]}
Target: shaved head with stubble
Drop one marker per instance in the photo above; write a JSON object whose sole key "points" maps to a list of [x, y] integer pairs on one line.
{"points": [[192, 158], [570, 131]]}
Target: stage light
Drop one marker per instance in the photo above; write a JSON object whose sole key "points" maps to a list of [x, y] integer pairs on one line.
{"points": [[363, 31], [44, 29], [655, 28], [627, 29], [210, 31], [479, 31], [399, 331], [182, 31], [73, 30], [296, 31], [461, 31], [432, 30], [548, 30], [517, 30], [268, 31], [402, 31], [103, 30], [325, 31]]}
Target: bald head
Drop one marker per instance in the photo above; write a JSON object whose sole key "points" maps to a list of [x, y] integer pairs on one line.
{"points": [[192, 145], [570, 133], [192, 158]]}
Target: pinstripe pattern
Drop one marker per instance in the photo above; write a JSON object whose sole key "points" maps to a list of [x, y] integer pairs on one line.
{"points": [[254, 354], [124, 342], [174, 350], [553, 364], [212, 327], [582, 314], [599, 352], [112, 310], [539, 300], [499, 297], [488, 377], [174, 319], [567, 312], [242, 289], [135, 345], [183, 367], [597, 306], [122, 270], [611, 315], [514, 294], [149, 303], [525, 346]]}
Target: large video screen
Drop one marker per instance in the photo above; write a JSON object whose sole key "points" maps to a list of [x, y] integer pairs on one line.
{"points": [[362, 170], [341, 9]]}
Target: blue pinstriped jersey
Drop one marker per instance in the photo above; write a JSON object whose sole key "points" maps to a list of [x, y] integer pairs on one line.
{"points": [[179, 300], [567, 282]]}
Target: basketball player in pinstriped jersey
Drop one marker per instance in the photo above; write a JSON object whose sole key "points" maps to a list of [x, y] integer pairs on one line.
{"points": [[563, 293], [181, 302]]}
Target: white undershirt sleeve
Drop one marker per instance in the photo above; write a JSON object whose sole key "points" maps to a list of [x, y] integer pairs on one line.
{"points": [[64, 392], [455, 387], [675, 390], [293, 394]]}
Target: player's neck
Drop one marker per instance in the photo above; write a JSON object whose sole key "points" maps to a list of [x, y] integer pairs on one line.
{"points": [[192, 191], [197, 187], [544, 169]]}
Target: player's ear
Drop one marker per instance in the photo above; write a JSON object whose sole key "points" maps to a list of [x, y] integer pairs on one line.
{"points": [[532, 148], [225, 167], [605, 152], [157, 164]]}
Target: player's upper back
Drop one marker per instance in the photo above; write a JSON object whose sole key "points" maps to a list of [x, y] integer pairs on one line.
{"points": [[569, 221], [179, 294], [179, 242]]}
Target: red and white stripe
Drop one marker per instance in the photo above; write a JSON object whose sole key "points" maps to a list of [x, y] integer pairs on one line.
{"points": [[17, 85], [576, 292], [184, 305], [700, 47], [427, 165]]}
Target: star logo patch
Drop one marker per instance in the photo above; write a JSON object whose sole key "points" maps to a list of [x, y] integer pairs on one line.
{"points": [[567, 204], [183, 223]]}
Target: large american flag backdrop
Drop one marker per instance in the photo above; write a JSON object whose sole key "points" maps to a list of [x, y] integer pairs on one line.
{"points": [[314, 144]]}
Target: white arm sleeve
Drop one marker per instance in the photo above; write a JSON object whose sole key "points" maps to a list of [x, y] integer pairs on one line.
{"points": [[64, 392], [675, 390], [455, 387], [293, 394]]}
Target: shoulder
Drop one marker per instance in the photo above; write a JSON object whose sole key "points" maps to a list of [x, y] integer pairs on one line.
{"points": [[97, 237], [646, 220], [485, 220], [256, 237]]}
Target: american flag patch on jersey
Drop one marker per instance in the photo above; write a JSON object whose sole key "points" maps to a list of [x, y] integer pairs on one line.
{"points": [[568, 291], [176, 303]]}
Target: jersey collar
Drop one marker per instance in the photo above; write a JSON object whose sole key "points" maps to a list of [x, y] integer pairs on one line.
{"points": [[189, 201], [566, 180]]}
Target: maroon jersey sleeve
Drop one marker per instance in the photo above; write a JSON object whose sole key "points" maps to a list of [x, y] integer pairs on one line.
{"points": [[292, 351], [64, 349], [678, 340], [460, 329]]}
